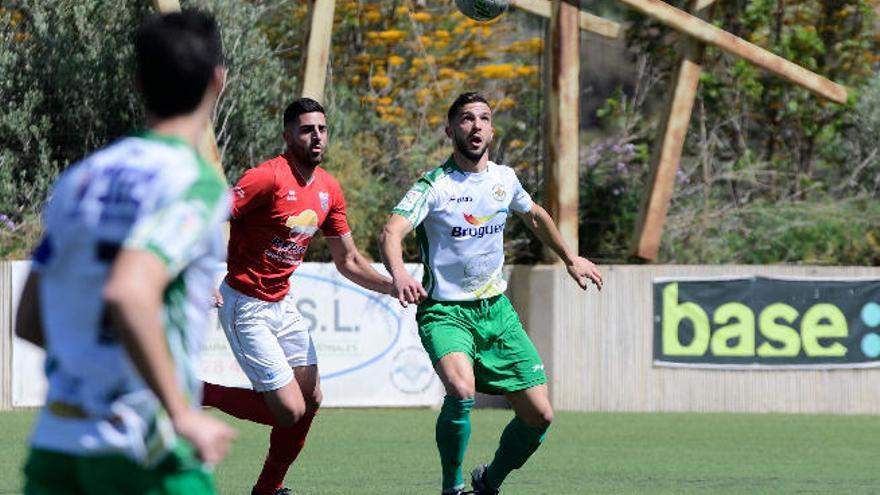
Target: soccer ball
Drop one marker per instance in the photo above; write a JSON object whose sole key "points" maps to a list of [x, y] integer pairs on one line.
{"points": [[482, 10]]}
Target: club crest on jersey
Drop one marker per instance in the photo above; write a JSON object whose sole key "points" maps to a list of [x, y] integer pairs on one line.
{"points": [[498, 192], [325, 200], [239, 191], [291, 195]]}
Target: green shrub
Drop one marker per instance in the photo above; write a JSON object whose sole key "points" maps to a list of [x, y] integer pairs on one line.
{"points": [[66, 89]]}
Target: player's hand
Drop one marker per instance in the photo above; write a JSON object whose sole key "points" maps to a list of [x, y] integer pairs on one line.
{"points": [[209, 436], [408, 290], [583, 271], [217, 299]]}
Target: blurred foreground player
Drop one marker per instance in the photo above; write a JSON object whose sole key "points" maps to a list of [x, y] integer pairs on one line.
{"points": [[120, 289]]}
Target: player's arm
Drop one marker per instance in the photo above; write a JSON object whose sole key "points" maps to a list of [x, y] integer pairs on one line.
{"points": [[405, 288], [580, 269], [353, 266], [28, 323], [28, 320], [349, 261], [133, 296]]}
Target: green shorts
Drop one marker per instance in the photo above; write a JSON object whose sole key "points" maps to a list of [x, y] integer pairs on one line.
{"points": [[490, 333], [51, 473]]}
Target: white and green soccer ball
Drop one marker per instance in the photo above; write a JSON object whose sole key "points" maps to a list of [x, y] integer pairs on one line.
{"points": [[482, 10]]}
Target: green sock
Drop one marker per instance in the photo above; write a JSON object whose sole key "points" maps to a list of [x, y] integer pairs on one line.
{"points": [[518, 442], [453, 432]]}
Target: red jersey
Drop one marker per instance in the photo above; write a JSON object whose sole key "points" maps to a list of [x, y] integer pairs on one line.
{"points": [[275, 213]]}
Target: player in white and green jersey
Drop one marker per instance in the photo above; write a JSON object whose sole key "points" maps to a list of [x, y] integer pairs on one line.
{"points": [[120, 289], [460, 218], [467, 326]]}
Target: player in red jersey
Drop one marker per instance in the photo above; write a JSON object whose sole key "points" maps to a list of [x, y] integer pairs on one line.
{"points": [[278, 206]]}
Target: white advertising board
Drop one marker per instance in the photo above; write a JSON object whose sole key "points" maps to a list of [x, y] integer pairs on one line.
{"points": [[369, 352], [28, 380]]}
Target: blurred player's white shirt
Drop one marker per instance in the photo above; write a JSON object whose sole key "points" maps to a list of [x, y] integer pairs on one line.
{"points": [[146, 192], [459, 219]]}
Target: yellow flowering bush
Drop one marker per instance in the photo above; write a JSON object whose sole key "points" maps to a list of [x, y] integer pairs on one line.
{"points": [[395, 68], [421, 58]]}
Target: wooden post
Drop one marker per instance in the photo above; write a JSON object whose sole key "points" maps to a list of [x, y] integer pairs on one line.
{"points": [[562, 90], [208, 146], [587, 21], [313, 73], [669, 145]]}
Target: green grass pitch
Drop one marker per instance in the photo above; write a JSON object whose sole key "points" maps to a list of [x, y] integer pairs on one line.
{"points": [[373, 451]]}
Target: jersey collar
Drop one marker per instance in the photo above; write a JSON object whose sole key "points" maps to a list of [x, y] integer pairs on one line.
{"points": [[452, 165], [164, 138]]}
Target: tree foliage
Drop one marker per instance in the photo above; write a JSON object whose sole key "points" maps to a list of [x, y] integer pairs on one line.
{"points": [[763, 118], [66, 89], [395, 68], [758, 144], [759, 150]]}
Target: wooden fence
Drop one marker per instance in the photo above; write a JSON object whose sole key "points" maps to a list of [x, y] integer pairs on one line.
{"points": [[598, 348]]}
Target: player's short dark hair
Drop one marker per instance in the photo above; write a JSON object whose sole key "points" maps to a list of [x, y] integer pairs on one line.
{"points": [[299, 107], [462, 100], [176, 55]]}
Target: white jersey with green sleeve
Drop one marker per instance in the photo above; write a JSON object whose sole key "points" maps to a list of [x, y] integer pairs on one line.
{"points": [[147, 192], [459, 220]]}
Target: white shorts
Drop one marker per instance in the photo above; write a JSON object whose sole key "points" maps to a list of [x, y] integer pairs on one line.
{"points": [[268, 339]]}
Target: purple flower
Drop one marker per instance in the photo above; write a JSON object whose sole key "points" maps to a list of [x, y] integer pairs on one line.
{"points": [[620, 168], [7, 222], [616, 148], [629, 149], [682, 177]]}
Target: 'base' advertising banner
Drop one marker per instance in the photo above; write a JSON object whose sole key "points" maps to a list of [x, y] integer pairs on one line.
{"points": [[767, 323]]}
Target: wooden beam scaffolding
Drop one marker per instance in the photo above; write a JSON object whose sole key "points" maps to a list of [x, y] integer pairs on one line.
{"points": [[208, 146], [668, 150], [562, 89], [670, 143], [587, 21], [707, 33], [562, 93], [313, 71]]}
